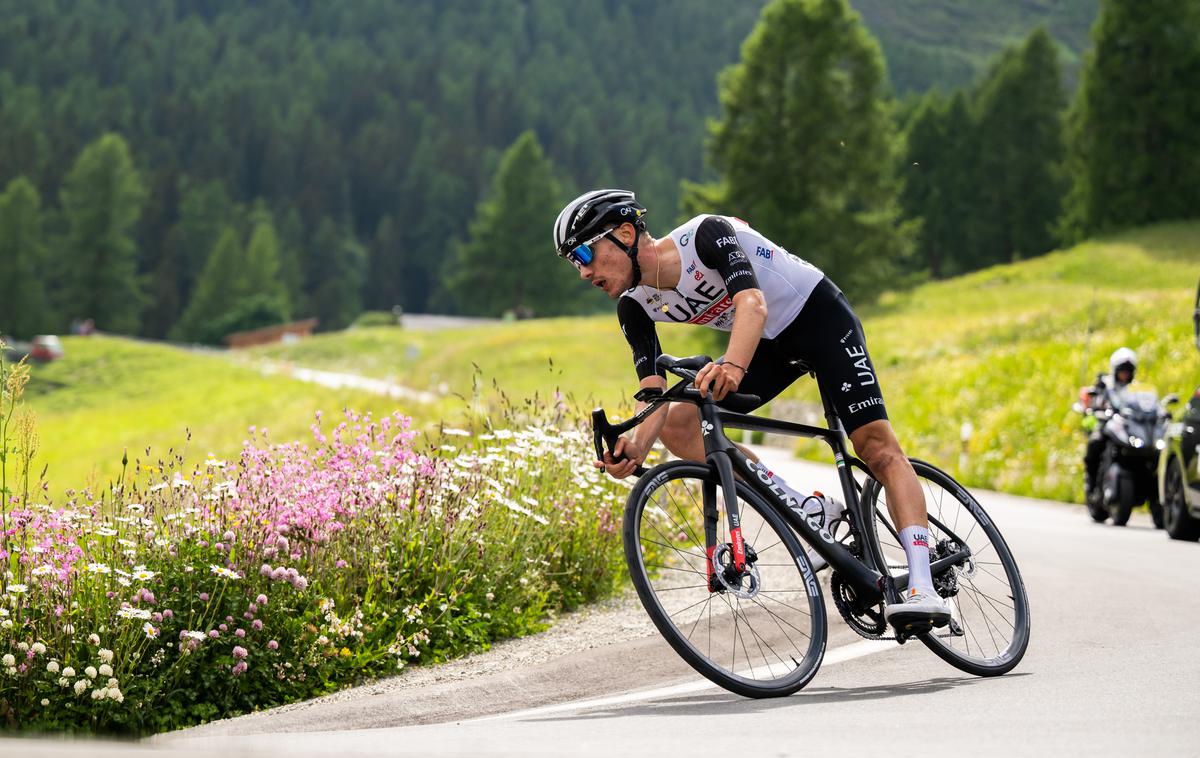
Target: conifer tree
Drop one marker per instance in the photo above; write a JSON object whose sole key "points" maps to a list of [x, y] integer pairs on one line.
{"points": [[102, 198], [805, 149], [1018, 154], [1134, 145], [339, 277], [507, 262], [213, 295], [24, 310]]}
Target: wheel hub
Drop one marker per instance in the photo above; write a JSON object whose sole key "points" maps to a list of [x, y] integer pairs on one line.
{"points": [[726, 578]]}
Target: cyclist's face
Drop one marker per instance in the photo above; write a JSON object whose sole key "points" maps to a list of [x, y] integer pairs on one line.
{"points": [[610, 269]]}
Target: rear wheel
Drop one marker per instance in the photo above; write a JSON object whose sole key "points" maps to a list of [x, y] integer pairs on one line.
{"points": [[989, 628], [760, 633], [1176, 519]]}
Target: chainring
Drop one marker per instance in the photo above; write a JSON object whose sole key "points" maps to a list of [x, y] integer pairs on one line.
{"points": [[869, 623]]}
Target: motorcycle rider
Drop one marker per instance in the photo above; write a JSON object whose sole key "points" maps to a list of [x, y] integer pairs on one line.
{"points": [[1122, 365]]}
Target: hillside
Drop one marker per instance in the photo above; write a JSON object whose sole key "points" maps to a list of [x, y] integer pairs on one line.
{"points": [[948, 43], [1006, 349]]}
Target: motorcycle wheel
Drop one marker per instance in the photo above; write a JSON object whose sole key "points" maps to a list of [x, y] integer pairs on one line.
{"points": [[1095, 504], [1124, 501]]}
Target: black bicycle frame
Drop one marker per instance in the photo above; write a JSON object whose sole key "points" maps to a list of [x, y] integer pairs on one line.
{"points": [[723, 455], [870, 585]]}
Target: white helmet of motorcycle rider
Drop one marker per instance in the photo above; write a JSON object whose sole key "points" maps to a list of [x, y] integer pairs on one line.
{"points": [[1122, 361]]}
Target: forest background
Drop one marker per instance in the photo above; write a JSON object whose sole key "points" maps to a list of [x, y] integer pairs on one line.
{"points": [[187, 169]]}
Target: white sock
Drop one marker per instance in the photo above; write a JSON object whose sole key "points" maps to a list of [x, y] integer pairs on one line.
{"points": [[915, 540]]}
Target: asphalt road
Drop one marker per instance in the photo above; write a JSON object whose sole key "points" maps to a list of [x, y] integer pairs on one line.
{"points": [[1113, 668]]}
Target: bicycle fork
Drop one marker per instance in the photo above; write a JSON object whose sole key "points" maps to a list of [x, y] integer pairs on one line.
{"points": [[712, 516]]}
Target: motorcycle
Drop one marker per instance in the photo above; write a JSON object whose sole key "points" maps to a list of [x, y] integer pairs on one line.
{"points": [[1132, 425]]}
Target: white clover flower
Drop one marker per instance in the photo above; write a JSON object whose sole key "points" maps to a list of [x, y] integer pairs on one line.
{"points": [[105, 670], [52, 667], [93, 639], [104, 654], [8, 660], [112, 682], [68, 672], [11, 670], [38, 648], [97, 694], [90, 672], [80, 686], [64, 682], [23, 647], [45, 702], [115, 694], [18, 589]]}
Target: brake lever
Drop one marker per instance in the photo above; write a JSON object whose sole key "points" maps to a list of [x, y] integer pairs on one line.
{"points": [[604, 434]]}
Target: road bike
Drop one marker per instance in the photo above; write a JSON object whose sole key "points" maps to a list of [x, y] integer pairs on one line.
{"points": [[716, 552]]}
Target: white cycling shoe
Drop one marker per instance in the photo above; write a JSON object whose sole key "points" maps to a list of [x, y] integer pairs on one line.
{"points": [[831, 511], [921, 610]]}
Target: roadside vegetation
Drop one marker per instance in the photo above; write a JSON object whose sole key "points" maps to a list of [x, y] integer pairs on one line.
{"points": [[188, 590]]}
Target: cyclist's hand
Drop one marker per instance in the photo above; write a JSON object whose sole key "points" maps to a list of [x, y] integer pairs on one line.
{"points": [[619, 469], [720, 378]]}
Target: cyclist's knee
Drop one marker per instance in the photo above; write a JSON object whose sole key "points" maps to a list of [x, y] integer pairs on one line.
{"points": [[877, 445], [682, 427]]}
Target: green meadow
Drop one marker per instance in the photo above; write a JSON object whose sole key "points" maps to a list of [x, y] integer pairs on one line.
{"points": [[1005, 349], [110, 395]]}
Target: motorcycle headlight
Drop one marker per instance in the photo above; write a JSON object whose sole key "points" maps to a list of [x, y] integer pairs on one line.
{"points": [[1160, 445], [1137, 442]]}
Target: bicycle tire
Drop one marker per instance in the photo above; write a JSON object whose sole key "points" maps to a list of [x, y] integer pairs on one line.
{"points": [[980, 606], [777, 630]]}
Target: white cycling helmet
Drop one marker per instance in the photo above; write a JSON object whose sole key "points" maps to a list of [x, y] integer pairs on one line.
{"points": [[1123, 358]]}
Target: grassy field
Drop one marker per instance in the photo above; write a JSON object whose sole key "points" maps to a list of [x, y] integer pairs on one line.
{"points": [[1005, 349], [1008, 348], [109, 395]]}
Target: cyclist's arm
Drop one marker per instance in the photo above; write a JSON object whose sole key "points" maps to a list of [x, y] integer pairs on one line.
{"points": [[718, 248], [639, 332]]}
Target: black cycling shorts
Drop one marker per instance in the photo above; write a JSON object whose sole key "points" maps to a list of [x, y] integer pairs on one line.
{"points": [[826, 338]]}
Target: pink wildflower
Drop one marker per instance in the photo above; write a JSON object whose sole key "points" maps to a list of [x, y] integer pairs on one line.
{"points": [[261, 599], [239, 652], [256, 625], [239, 668], [272, 645]]}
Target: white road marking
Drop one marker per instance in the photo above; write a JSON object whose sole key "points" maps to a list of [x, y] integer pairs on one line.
{"points": [[832, 657]]}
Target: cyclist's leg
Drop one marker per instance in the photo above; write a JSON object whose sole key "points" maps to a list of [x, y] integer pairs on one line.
{"points": [[836, 347], [768, 374]]}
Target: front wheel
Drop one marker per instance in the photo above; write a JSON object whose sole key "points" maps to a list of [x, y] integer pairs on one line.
{"points": [[1176, 519], [989, 628], [760, 633]]}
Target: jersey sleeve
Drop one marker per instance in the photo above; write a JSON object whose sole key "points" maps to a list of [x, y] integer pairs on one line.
{"points": [[718, 248], [642, 338]]}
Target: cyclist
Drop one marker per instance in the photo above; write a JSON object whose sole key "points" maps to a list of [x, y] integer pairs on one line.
{"points": [[1122, 365], [785, 318]]}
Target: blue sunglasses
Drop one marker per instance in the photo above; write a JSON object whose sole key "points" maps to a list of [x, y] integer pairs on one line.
{"points": [[583, 254]]}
